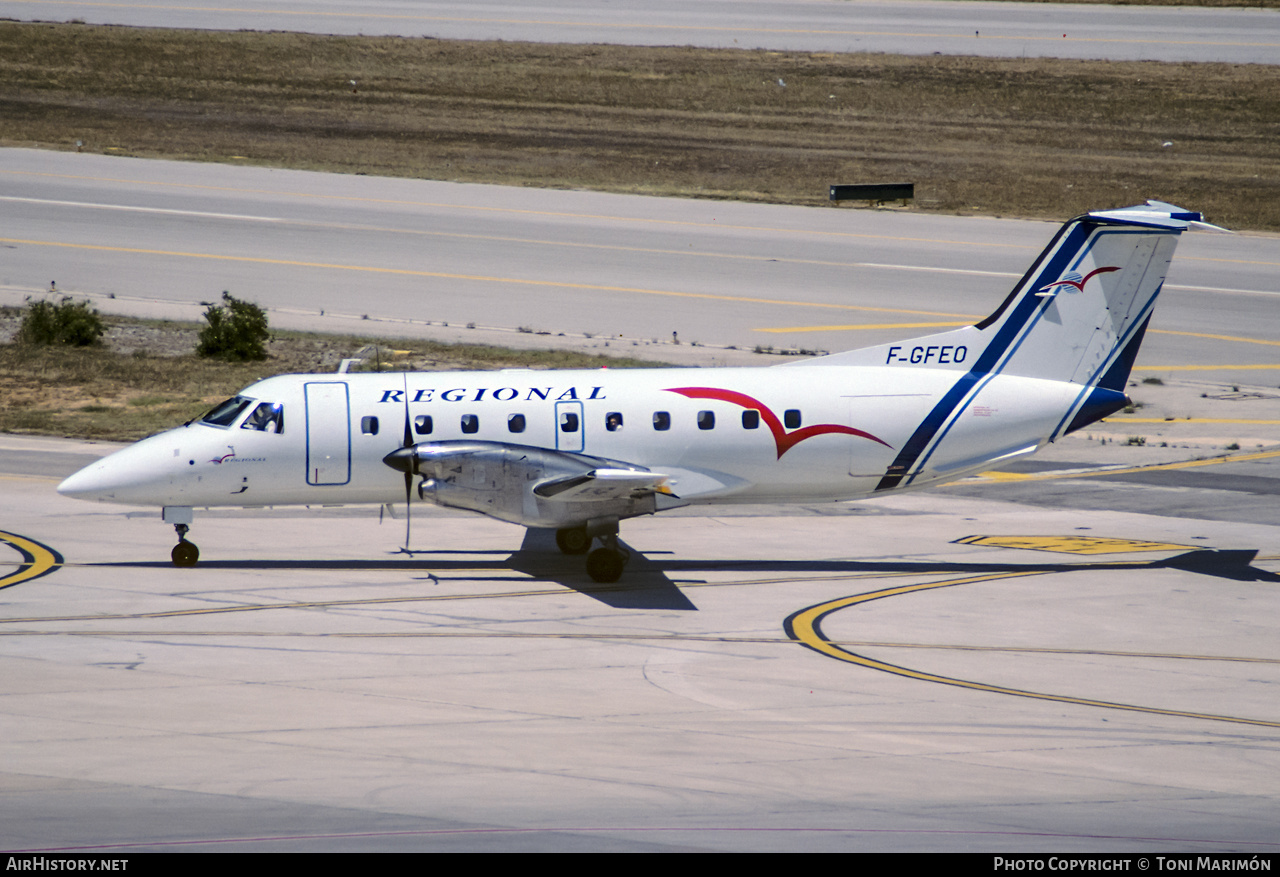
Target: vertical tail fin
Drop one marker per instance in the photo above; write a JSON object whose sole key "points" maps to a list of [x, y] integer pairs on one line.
{"points": [[1077, 317], [1078, 312]]}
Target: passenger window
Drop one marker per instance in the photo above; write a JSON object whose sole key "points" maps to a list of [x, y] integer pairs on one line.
{"points": [[751, 419], [613, 421], [568, 422], [791, 418], [515, 423], [267, 417], [661, 420], [706, 420], [227, 412], [422, 424], [369, 425], [470, 424]]}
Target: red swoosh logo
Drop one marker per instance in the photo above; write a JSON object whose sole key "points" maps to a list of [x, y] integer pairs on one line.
{"points": [[1079, 284], [783, 439]]}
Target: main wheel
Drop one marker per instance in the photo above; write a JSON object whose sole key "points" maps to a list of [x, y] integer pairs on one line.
{"points": [[604, 565], [185, 554], [573, 540]]}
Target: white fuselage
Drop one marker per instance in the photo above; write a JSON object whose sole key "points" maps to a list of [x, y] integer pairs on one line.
{"points": [[817, 434], [579, 451]]}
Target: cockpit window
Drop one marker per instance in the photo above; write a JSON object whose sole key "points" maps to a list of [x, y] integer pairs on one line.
{"points": [[267, 417], [227, 412]]}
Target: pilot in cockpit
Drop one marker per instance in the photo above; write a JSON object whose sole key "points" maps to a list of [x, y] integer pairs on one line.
{"points": [[267, 417]]}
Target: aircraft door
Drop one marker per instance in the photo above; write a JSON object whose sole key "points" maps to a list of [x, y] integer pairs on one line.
{"points": [[569, 427], [328, 433]]}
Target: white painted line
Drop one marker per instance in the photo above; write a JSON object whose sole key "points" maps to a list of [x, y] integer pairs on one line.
{"points": [[131, 209], [1221, 289], [938, 270]]}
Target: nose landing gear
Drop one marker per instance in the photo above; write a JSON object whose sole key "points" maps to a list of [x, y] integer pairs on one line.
{"points": [[184, 553]]}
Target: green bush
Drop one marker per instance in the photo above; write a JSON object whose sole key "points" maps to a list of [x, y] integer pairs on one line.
{"points": [[237, 331], [68, 322]]}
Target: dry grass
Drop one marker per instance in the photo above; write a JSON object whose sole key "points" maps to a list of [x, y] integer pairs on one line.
{"points": [[1032, 137], [119, 392]]}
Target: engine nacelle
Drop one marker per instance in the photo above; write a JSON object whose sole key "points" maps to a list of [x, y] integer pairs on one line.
{"points": [[498, 480]]}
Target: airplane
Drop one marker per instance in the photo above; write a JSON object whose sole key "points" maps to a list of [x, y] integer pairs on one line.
{"points": [[578, 451]]}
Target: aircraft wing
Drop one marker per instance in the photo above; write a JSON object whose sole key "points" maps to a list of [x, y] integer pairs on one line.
{"points": [[603, 485], [535, 487]]}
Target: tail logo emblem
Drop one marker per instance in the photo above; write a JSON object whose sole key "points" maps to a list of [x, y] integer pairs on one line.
{"points": [[784, 440], [1074, 281]]}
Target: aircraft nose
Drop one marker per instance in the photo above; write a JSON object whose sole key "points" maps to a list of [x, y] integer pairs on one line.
{"points": [[91, 482], [128, 475]]}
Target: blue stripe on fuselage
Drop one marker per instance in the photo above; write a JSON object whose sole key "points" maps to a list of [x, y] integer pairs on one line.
{"points": [[1026, 310]]}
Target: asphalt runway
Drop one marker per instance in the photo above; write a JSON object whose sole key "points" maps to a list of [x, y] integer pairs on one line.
{"points": [[1076, 654], [1237, 36], [367, 254]]}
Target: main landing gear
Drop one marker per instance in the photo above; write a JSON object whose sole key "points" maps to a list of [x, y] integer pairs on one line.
{"points": [[606, 563], [184, 553], [573, 540]]}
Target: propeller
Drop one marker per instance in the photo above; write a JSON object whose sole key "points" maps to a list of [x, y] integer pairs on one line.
{"points": [[408, 482], [402, 458]]}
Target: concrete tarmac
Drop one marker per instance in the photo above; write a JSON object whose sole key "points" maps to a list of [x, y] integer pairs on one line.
{"points": [[1076, 654], [930, 672]]}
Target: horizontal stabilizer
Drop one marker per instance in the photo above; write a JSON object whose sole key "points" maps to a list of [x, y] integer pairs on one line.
{"points": [[1160, 214], [1236, 564]]}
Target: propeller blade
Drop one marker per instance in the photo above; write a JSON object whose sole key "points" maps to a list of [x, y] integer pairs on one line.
{"points": [[408, 481], [408, 514]]}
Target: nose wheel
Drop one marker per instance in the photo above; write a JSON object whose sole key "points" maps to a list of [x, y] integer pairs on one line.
{"points": [[184, 553]]}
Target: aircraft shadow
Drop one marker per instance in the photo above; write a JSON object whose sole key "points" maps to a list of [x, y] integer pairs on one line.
{"points": [[644, 585], [1227, 564], [647, 582]]}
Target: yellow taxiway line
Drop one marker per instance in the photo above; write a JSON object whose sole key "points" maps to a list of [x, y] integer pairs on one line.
{"points": [[805, 627], [1128, 470], [37, 559]]}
